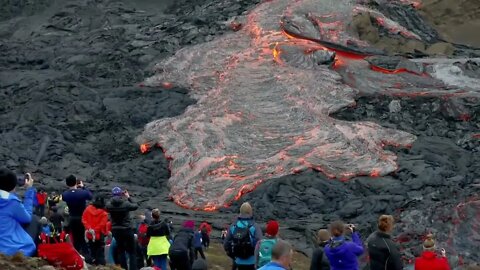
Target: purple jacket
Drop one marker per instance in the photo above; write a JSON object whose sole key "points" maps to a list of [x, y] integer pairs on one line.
{"points": [[343, 254]]}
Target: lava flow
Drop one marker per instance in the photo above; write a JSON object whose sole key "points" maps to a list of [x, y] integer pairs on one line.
{"points": [[265, 93]]}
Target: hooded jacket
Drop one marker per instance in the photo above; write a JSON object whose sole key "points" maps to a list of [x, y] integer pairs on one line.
{"points": [[183, 242], [343, 254], [255, 233], [119, 209], [319, 259], [383, 252], [159, 234], [430, 261], [12, 215], [205, 227], [96, 219]]}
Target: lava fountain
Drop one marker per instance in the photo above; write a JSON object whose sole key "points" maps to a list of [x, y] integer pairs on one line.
{"points": [[265, 93]]}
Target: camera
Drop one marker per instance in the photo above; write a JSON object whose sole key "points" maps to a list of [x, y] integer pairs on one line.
{"points": [[21, 180]]}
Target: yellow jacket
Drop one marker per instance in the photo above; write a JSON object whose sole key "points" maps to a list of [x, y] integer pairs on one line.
{"points": [[158, 245]]}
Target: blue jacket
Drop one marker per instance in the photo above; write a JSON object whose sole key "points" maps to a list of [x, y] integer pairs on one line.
{"points": [[343, 254], [272, 266], [76, 200], [197, 240], [255, 232], [13, 238]]}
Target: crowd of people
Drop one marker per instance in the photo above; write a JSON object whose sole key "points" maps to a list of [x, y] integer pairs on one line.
{"points": [[101, 229]]}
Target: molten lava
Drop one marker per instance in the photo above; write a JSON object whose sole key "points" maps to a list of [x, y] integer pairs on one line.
{"points": [[265, 93]]}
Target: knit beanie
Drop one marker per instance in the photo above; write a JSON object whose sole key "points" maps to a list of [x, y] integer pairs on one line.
{"points": [[199, 264], [190, 224], [117, 191], [8, 180], [43, 221], [272, 228], [429, 243]]}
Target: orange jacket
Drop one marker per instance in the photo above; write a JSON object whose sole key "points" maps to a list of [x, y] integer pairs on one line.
{"points": [[96, 219]]}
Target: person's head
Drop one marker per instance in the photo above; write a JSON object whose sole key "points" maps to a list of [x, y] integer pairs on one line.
{"points": [[385, 223], [337, 228], [189, 224], [117, 192], [246, 210], [71, 181], [199, 264], [429, 243], [156, 214], [282, 253], [323, 236], [272, 228], [8, 180], [99, 202], [53, 193], [43, 221]]}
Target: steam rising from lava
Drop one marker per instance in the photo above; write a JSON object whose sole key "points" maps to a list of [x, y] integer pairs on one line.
{"points": [[264, 99]]}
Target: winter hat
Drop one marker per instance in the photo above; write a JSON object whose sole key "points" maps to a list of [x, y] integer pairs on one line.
{"points": [[272, 228], [43, 221], [429, 243], [199, 264], [116, 191], [8, 180], [190, 224], [71, 180]]}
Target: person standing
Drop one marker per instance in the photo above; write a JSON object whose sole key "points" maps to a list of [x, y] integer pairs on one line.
{"points": [[119, 208], [181, 251], [242, 238], [198, 244], [429, 259], [41, 202], [263, 250], [319, 259], [95, 220], [205, 229], [159, 243], [342, 254], [384, 253], [282, 256], [76, 198], [14, 214]]}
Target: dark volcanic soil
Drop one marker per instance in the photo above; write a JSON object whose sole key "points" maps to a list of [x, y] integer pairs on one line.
{"points": [[70, 103]]}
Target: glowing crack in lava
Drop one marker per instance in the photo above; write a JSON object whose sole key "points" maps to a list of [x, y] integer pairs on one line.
{"points": [[264, 99]]}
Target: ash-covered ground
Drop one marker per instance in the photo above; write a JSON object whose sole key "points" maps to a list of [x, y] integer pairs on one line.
{"points": [[71, 103]]}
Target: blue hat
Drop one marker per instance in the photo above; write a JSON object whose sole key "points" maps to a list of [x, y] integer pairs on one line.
{"points": [[116, 191]]}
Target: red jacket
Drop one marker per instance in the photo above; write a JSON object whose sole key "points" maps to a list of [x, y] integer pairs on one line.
{"points": [[96, 219], [41, 198], [429, 261], [206, 226]]}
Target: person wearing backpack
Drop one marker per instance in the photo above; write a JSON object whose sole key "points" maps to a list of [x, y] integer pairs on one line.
{"points": [[14, 214], [319, 259], [182, 251], [95, 219], [242, 238], [282, 257], [342, 254], [263, 250], [383, 252], [159, 236]]}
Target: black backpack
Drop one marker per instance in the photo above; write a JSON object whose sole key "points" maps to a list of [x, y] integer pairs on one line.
{"points": [[242, 244]]}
